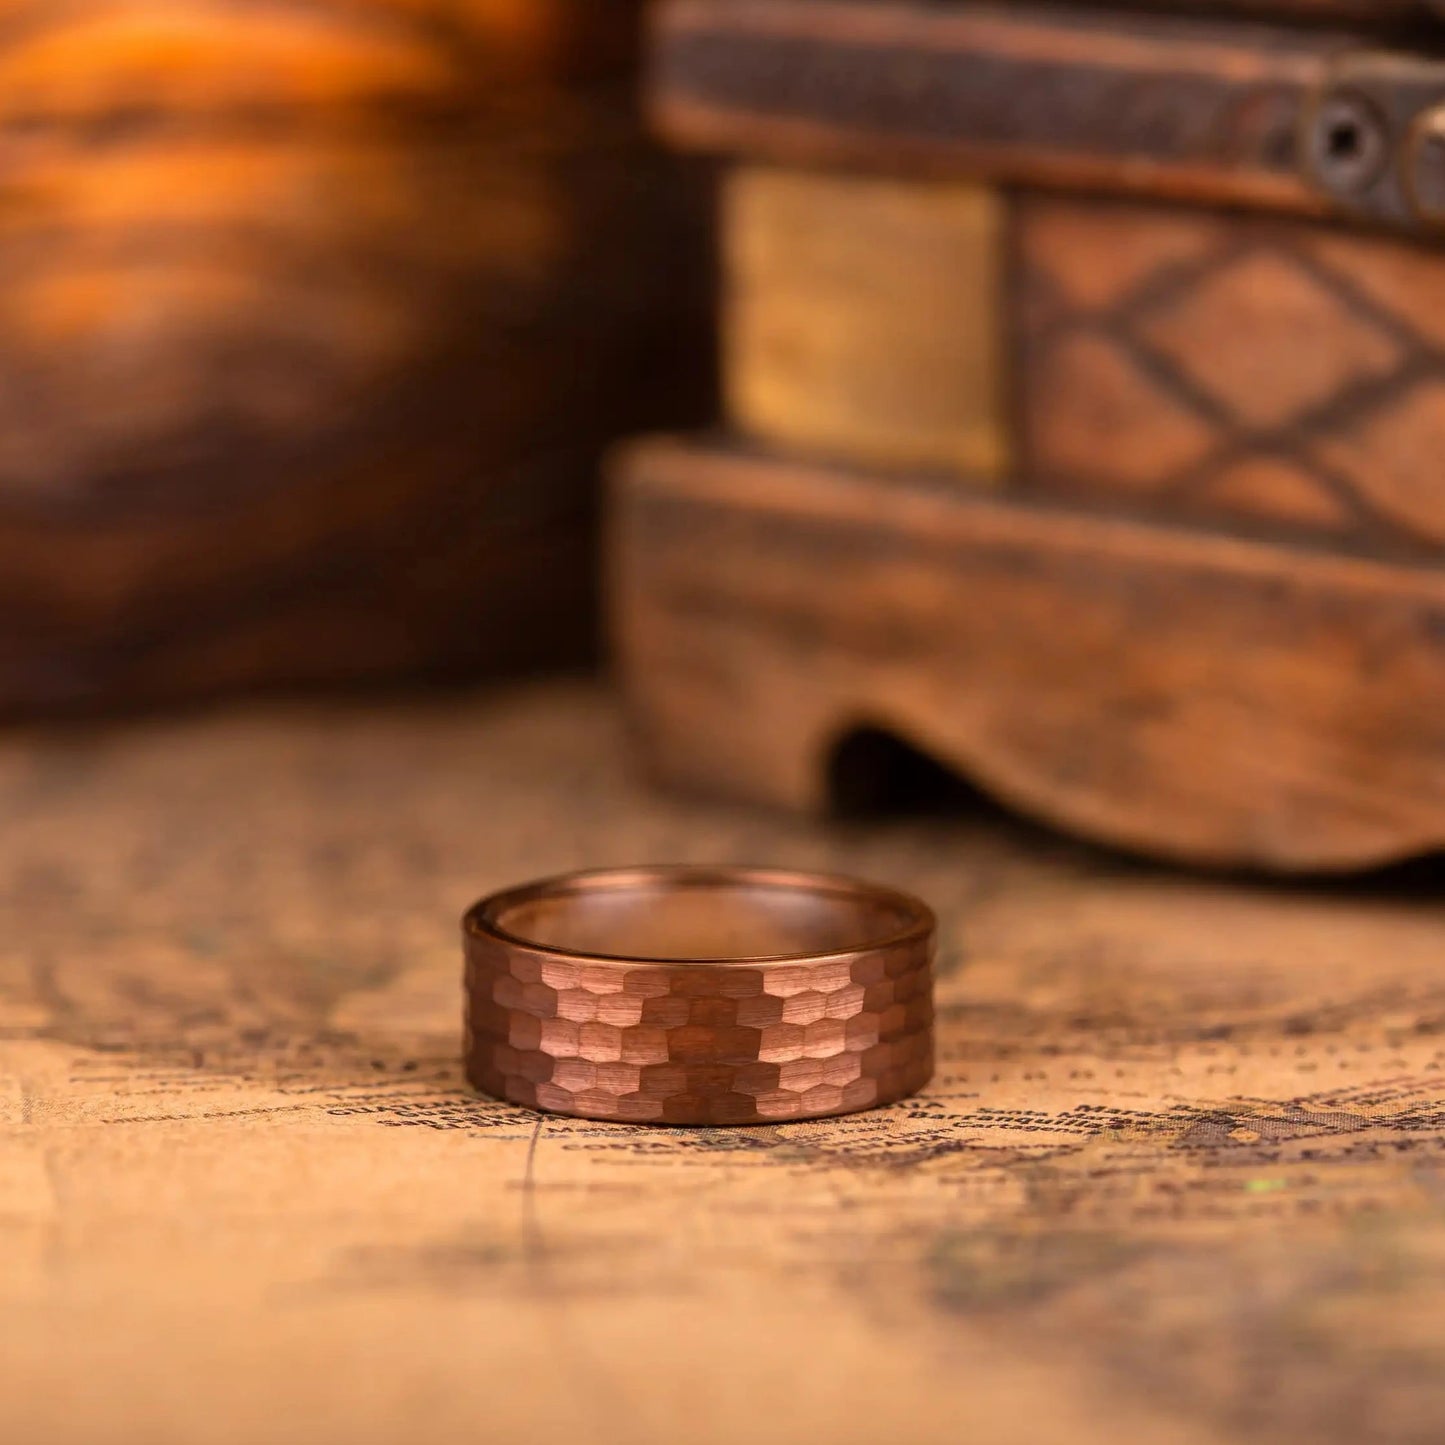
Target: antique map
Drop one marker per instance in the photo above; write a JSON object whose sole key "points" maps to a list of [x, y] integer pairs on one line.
{"points": [[1181, 1177]]}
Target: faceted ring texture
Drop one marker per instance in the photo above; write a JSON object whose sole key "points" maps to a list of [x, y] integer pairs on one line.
{"points": [[699, 996]]}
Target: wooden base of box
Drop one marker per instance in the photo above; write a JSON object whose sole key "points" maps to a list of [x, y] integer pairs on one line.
{"points": [[1220, 699]]}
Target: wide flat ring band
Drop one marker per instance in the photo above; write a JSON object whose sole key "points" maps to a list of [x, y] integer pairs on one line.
{"points": [[699, 996]]}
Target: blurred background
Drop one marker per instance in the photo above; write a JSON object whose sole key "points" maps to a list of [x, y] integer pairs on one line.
{"points": [[321, 316], [316, 316]]}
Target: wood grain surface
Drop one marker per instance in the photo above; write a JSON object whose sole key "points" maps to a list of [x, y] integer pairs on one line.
{"points": [[1199, 106], [1207, 697], [317, 315], [1099, 99]]}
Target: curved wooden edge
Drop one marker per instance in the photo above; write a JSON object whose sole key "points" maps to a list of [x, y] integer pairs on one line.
{"points": [[1201, 697]]}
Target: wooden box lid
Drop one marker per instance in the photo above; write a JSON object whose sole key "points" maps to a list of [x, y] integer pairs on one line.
{"points": [[1286, 112]]}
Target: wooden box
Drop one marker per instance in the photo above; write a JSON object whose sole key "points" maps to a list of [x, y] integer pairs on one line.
{"points": [[1085, 418]]}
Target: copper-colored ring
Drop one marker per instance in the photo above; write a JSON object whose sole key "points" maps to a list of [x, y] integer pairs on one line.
{"points": [[699, 995]]}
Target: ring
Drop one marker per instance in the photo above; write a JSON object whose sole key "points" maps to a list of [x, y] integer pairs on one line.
{"points": [[699, 995]]}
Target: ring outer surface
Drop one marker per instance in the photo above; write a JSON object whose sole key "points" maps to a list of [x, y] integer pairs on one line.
{"points": [[699, 1042]]}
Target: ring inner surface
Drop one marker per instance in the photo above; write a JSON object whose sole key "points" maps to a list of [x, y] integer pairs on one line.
{"points": [[683, 921]]}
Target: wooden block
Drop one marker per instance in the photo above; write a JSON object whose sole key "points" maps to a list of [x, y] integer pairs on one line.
{"points": [[1023, 93], [1308, 118], [316, 320], [1267, 372], [1204, 697], [862, 318]]}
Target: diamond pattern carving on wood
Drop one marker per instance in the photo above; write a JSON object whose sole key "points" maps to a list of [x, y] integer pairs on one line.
{"points": [[1266, 341], [1266, 486], [1275, 375], [1386, 454], [1106, 408]]}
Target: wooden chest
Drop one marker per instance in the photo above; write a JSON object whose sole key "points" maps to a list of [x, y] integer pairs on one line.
{"points": [[1085, 417]]}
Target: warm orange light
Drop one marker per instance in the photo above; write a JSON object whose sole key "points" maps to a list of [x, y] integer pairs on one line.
{"points": [[531, 31]]}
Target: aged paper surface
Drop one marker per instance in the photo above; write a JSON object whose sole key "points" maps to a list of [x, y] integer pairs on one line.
{"points": [[1181, 1178]]}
